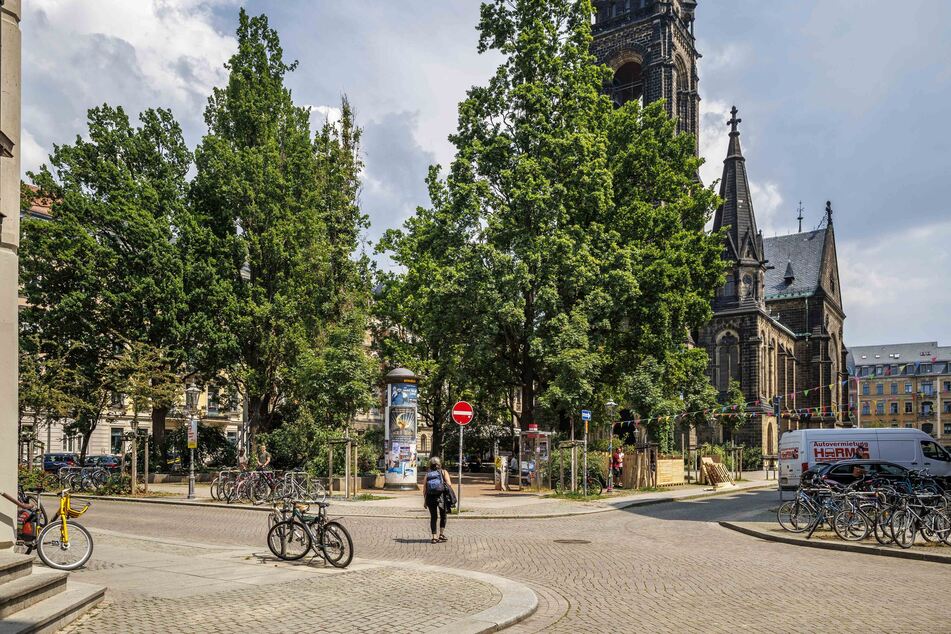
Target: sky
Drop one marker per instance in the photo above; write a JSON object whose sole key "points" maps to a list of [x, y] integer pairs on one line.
{"points": [[841, 100]]}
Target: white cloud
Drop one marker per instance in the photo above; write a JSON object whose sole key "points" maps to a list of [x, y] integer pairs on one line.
{"points": [[178, 52], [892, 292], [323, 114], [32, 154]]}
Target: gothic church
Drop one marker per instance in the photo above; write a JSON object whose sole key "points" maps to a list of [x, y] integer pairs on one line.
{"points": [[778, 319]]}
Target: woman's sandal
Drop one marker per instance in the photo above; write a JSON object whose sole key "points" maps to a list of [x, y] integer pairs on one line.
{"points": [[435, 541], [443, 538]]}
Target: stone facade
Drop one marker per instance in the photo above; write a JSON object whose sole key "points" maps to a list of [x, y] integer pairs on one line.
{"points": [[650, 46]]}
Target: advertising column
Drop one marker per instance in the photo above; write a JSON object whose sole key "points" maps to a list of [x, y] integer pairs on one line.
{"points": [[401, 402]]}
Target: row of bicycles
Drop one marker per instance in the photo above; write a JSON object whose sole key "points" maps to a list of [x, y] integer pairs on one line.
{"points": [[262, 487], [84, 479], [893, 510]]}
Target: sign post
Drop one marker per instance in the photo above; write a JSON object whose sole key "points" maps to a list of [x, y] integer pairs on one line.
{"points": [[462, 415], [586, 417], [192, 444]]}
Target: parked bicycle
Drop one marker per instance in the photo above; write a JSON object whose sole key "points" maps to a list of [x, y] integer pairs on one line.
{"points": [[62, 543], [294, 533]]}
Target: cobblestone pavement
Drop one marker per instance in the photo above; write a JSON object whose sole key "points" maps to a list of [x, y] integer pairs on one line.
{"points": [[667, 567], [159, 586]]}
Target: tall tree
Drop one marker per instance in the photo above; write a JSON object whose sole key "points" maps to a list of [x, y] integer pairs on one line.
{"points": [[531, 152], [283, 222], [106, 267]]}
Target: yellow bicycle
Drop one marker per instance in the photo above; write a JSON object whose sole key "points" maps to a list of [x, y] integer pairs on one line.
{"points": [[63, 543]]}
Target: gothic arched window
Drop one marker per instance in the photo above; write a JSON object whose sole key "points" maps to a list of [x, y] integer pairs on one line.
{"points": [[727, 360], [628, 83]]}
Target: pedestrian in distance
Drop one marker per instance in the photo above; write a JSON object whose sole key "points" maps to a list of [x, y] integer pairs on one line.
{"points": [[437, 497], [242, 460]]}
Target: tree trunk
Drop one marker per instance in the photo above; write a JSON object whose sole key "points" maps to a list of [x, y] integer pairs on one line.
{"points": [[437, 423], [159, 416]]}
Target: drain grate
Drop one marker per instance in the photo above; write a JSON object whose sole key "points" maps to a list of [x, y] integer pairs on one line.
{"points": [[572, 541]]}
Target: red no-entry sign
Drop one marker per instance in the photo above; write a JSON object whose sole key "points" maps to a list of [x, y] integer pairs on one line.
{"points": [[462, 413]]}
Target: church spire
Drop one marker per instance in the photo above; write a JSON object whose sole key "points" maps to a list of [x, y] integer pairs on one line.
{"points": [[743, 239]]}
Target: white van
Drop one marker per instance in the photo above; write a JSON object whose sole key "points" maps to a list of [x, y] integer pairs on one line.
{"points": [[911, 448]]}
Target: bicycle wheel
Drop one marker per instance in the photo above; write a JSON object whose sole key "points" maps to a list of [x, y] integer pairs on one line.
{"points": [[64, 555], [786, 515], [904, 528], [882, 527], [850, 525], [289, 540], [595, 487], [213, 488], [337, 546]]}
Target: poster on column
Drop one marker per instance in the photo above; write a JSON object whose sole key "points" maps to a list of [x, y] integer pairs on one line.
{"points": [[401, 461]]}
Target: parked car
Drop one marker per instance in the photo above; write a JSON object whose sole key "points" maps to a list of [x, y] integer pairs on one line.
{"points": [[846, 472], [53, 462], [109, 462]]}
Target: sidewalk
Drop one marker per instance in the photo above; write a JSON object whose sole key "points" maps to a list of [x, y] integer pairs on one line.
{"points": [[479, 500], [157, 585]]}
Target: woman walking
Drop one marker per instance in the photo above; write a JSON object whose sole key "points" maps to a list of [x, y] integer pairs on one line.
{"points": [[435, 489]]}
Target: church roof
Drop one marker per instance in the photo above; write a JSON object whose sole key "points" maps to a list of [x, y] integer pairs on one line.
{"points": [[802, 252]]}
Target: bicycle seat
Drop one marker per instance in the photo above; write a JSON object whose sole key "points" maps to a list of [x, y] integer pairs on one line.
{"points": [[323, 505]]}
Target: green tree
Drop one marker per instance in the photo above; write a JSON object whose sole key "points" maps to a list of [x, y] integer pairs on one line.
{"points": [[44, 389], [106, 268], [282, 223], [141, 372], [734, 412]]}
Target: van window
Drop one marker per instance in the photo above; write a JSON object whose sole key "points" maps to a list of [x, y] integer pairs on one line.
{"points": [[897, 450], [932, 451]]}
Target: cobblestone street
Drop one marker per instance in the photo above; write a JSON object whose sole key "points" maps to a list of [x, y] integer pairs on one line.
{"points": [[667, 567]]}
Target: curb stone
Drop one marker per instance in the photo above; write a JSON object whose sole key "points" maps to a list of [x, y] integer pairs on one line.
{"points": [[517, 602], [865, 549], [462, 516]]}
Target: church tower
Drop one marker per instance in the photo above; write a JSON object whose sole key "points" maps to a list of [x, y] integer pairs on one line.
{"points": [[743, 250], [650, 46]]}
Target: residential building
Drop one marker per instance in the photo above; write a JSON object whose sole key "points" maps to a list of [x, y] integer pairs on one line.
{"points": [[902, 385]]}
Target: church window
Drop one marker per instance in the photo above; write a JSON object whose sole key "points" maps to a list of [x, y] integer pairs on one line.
{"points": [[728, 360], [729, 289], [628, 83]]}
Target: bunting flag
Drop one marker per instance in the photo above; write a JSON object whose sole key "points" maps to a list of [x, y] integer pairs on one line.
{"points": [[806, 392]]}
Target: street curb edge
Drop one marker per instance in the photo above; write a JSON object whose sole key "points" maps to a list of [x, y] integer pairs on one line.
{"points": [[840, 546]]}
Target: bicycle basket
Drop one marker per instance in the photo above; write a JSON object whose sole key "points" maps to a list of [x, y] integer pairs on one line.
{"points": [[74, 513]]}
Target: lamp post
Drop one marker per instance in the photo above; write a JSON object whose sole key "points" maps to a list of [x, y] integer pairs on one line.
{"points": [[610, 406], [191, 407]]}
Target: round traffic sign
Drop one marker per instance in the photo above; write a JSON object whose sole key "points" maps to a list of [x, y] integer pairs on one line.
{"points": [[462, 413]]}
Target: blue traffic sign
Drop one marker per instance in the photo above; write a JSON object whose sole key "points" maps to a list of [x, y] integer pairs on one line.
{"points": [[586, 414]]}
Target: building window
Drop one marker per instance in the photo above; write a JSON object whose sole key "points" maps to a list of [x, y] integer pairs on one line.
{"points": [[865, 409], [728, 360], [879, 408], [908, 407], [947, 429], [116, 400], [927, 388], [927, 408], [907, 388], [893, 408], [880, 389], [115, 439], [925, 368], [947, 407], [947, 386], [865, 389], [213, 399], [894, 388], [232, 437]]}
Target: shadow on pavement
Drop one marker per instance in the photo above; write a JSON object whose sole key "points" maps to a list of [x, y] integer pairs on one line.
{"points": [[728, 506]]}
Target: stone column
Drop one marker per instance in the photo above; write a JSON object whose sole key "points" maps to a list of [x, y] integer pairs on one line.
{"points": [[9, 241]]}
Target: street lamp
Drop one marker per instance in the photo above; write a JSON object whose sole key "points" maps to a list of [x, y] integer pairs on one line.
{"points": [[611, 406], [191, 407]]}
